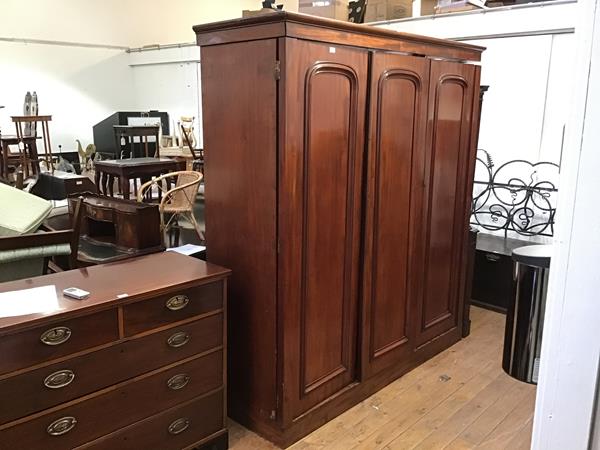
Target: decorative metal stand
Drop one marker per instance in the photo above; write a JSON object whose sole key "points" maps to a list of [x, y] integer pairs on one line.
{"points": [[518, 196]]}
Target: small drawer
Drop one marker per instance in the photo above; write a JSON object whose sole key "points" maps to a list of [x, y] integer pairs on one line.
{"points": [[99, 213], [172, 307], [131, 402], [49, 386], [58, 339], [174, 429]]}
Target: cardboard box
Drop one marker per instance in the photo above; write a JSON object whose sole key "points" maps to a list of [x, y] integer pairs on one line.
{"points": [[428, 7], [450, 6], [259, 12], [331, 9], [378, 10]]}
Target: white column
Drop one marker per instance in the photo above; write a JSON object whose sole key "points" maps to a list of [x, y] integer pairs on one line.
{"points": [[571, 347]]}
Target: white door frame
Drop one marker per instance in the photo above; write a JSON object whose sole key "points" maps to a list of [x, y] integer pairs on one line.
{"points": [[571, 345]]}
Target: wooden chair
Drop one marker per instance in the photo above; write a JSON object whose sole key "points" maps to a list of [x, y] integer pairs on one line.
{"points": [[132, 141], [176, 201], [29, 155], [198, 154]]}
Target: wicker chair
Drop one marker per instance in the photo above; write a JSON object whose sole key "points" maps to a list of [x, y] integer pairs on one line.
{"points": [[175, 201]]}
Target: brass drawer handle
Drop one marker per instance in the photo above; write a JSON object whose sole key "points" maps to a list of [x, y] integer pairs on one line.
{"points": [[179, 425], [178, 339], [61, 426], [59, 379], [55, 336], [177, 302], [178, 381]]}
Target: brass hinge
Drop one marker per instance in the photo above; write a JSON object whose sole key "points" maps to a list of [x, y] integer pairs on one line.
{"points": [[277, 70]]}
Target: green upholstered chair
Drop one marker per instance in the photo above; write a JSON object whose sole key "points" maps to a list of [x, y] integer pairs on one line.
{"points": [[24, 251]]}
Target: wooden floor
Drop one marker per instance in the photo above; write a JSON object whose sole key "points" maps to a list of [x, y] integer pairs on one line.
{"points": [[461, 399]]}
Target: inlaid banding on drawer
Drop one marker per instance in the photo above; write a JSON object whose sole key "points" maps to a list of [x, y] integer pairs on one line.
{"points": [[204, 417], [130, 402], [45, 343], [173, 307], [30, 392]]}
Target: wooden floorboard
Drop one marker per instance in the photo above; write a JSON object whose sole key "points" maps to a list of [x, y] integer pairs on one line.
{"points": [[460, 399]]}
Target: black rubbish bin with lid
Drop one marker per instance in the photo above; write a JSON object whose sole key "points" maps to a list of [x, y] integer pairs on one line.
{"points": [[525, 315]]}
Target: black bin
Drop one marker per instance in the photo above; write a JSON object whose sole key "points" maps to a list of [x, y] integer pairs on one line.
{"points": [[525, 315]]}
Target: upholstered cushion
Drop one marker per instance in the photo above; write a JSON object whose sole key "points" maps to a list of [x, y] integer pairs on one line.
{"points": [[43, 251], [28, 262], [21, 212]]}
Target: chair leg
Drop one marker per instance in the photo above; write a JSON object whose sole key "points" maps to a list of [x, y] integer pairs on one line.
{"points": [[163, 230], [192, 219]]}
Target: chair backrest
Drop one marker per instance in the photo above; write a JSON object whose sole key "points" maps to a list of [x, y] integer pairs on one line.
{"points": [[130, 133], [186, 137], [32, 121], [183, 195]]}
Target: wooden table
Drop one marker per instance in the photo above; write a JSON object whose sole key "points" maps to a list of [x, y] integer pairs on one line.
{"points": [[132, 168], [30, 146], [140, 363]]}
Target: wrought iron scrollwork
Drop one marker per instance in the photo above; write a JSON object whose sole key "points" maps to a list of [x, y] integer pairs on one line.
{"points": [[518, 196]]}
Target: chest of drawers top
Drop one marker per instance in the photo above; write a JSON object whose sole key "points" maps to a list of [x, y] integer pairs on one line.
{"points": [[29, 303]]}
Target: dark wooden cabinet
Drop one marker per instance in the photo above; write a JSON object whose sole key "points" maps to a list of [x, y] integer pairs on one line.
{"points": [[338, 165]]}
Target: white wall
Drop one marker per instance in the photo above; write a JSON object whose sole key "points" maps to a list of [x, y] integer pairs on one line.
{"points": [[168, 80], [530, 79], [81, 84], [77, 86], [130, 23]]}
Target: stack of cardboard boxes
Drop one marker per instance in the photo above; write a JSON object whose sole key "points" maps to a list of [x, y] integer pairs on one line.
{"points": [[380, 10], [377, 10], [331, 9]]}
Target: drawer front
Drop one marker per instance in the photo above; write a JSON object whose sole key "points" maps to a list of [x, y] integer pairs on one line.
{"points": [[178, 305], [111, 411], [45, 343], [174, 429], [99, 213], [58, 383]]}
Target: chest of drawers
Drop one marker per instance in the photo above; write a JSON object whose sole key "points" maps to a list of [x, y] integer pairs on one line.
{"points": [[138, 364]]}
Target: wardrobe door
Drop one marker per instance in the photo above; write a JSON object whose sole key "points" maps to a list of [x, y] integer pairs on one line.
{"points": [[322, 102], [396, 161], [450, 120]]}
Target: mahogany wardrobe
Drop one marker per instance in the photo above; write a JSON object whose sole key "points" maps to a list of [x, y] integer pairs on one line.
{"points": [[338, 169]]}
